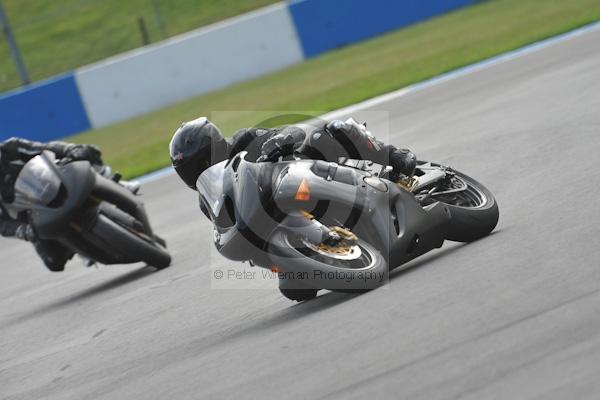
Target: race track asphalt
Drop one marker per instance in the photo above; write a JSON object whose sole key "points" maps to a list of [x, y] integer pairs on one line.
{"points": [[513, 316]]}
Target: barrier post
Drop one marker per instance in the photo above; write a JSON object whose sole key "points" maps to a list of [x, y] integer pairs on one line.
{"points": [[14, 49]]}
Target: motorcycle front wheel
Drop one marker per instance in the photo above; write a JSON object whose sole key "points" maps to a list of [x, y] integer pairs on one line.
{"points": [[306, 266], [126, 242]]}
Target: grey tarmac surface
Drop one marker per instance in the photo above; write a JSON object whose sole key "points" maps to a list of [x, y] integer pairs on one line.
{"points": [[513, 316]]}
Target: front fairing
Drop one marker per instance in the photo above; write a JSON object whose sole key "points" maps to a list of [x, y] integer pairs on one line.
{"points": [[236, 193], [248, 201], [210, 186], [37, 184]]}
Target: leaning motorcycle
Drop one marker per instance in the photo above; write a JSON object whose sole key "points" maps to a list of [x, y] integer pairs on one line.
{"points": [[338, 226], [70, 203]]}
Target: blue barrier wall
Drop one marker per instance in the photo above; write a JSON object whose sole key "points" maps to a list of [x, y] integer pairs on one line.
{"points": [[323, 25], [43, 111]]}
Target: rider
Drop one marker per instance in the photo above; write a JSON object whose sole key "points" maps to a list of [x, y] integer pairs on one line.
{"points": [[14, 154], [199, 144]]}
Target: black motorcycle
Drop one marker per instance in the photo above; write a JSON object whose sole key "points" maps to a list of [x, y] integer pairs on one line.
{"points": [[70, 203], [338, 226]]}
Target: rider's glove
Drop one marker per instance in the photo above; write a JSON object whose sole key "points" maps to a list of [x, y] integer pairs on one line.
{"points": [[350, 128], [277, 146], [336, 126], [25, 232], [86, 152]]}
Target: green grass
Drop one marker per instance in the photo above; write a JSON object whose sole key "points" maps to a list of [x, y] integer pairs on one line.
{"points": [[350, 74], [60, 35]]}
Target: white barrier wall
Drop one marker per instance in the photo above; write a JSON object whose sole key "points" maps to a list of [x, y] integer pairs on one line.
{"points": [[207, 59]]}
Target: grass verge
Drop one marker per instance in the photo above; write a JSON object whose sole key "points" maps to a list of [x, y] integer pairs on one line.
{"points": [[349, 75], [56, 36]]}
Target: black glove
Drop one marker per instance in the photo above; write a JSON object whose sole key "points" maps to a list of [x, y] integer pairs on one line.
{"points": [[84, 152], [277, 146], [25, 232], [336, 126]]}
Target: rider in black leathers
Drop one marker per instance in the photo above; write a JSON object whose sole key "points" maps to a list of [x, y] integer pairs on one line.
{"points": [[14, 154], [198, 144]]}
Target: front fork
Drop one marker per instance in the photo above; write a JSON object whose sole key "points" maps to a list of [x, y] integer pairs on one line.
{"points": [[304, 224]]}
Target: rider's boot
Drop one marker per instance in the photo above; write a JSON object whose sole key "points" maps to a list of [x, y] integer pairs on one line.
{"points": [[403, 162]]}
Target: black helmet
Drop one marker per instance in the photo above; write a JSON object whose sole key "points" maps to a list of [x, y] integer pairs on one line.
{"points": [[195, 146]]}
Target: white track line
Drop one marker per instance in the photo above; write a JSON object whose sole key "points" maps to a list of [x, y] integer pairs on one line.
{"points": [[478, 66]]}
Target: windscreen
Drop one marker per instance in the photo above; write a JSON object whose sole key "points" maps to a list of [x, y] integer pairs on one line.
{"points": [[210, 186], [37, 182]]}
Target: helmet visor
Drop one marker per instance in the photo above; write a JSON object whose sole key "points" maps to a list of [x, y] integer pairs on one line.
{"points": [[190, 169]]}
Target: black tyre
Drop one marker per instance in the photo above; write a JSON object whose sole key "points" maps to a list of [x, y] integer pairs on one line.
{"points": [[305, 267], [299, 294], [127, 242], [474, 210]]}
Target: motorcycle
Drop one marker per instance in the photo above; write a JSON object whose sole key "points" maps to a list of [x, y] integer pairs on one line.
{"points": [[338, 226], [70, 203]]}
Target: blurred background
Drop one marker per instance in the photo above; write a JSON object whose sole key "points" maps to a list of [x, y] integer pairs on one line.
{"points": [[57, 36]]}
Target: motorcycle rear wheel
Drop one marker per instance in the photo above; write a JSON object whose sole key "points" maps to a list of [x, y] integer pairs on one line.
{"points": [[474, 210]]}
